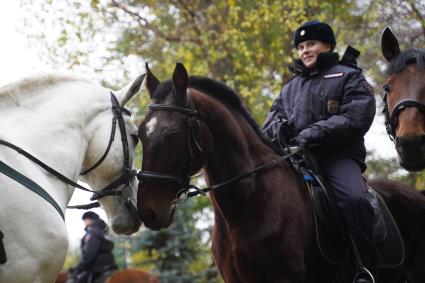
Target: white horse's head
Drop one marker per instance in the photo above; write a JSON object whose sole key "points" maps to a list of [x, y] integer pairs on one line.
{"points": [[53, 129], [108, 163]]}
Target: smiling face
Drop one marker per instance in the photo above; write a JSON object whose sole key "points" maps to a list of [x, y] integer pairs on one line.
{"points": [[309, 50]]}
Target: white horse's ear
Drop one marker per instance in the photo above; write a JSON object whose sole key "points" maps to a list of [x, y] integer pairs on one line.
{"points": [[126, 93]]}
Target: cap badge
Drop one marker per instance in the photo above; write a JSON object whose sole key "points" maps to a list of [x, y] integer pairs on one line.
{"points": [[302, 32]]}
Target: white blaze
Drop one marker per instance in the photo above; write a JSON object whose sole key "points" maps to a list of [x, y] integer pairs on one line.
{"points": [[151, 125]]}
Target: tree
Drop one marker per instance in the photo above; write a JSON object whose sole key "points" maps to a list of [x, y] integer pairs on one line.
{"points": [[179, 254], [246, 44], [379, 168]]}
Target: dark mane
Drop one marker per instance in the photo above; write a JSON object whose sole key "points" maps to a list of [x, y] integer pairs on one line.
{"points": [[410, 56], [219, 91]]}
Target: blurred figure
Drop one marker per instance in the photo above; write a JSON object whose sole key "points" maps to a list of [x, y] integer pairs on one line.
{"points": [[97, 261]]}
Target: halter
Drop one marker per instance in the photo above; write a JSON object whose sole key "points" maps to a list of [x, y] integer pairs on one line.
{"points": [[391, 120], [110, 189], [193, 136]]}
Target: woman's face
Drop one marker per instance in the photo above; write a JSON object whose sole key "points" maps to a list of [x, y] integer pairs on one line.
{"points": [[309, 50]]}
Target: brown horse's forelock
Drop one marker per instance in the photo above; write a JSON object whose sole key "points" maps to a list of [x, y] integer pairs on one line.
{"points": [[410, 56], [219, 91]]}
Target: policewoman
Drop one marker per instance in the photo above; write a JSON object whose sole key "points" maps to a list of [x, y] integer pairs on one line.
{"points": [[330, 104], [97, 261]]}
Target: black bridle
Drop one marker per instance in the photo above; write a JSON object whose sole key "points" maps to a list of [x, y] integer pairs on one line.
{"points": [[187, 190], [391, 120], [193, 138], [111, 189]]}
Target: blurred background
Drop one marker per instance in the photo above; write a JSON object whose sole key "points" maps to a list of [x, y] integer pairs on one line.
{"points": [[246, 44]]}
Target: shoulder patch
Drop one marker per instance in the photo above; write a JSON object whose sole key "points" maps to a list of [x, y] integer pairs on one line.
{"points": [[334, 75], [368, 87]]}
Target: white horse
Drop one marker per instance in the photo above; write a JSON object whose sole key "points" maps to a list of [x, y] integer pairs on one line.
{"points": [[66, 123]]}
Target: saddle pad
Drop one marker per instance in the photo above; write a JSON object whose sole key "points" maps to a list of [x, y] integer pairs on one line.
{"points": [[332, 246]]}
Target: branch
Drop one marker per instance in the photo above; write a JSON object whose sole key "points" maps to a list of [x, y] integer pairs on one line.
{"points": [[144, 23], [417, 15]]}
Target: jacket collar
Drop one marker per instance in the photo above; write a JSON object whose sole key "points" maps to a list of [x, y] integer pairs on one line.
{"points": [[325, 60]]}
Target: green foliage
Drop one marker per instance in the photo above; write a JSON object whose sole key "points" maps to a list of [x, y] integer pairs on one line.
{"points": [[178, 254], [246, 44], [72, 259], [379, 168]]}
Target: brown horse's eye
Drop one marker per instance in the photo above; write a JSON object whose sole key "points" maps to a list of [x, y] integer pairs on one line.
{"points": [[171, 136], [386, 89]]}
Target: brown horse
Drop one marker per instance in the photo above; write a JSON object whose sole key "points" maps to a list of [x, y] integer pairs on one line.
{"points": [[132, 276], [62, 277], [122, 276], [264, 229], [405, 101]]}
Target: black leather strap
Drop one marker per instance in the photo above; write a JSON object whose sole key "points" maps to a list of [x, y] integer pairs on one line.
{"points": [[27, 182]]}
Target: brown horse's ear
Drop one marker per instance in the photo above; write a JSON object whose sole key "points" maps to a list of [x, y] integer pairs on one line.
{"points": [[151, 81], [180, 79], [389, 45]]}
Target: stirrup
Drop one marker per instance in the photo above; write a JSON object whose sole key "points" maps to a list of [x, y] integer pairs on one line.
{"points": [[366, 275]]}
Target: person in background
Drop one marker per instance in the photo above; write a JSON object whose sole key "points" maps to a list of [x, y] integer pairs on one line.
{"points": [[97, 261], [329, 104]]}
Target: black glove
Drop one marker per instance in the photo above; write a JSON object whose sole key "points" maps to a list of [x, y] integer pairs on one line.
{"points": [[307, 137], [280, 129], [301, 140]]}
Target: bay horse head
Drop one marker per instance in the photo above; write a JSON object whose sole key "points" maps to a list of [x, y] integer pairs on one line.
{"points": [[174, 140], [405, 101]]}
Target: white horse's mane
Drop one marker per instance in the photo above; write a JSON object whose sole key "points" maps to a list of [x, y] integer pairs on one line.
{"points": [[37, 82]]}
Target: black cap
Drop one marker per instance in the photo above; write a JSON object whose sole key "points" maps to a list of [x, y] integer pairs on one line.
{"points": [[90, 215], [314, 30]]}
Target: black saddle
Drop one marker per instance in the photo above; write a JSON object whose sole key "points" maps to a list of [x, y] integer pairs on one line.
{"points": [[331, 236], [333, 247]]}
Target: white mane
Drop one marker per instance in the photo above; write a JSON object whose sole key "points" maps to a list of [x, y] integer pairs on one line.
{"points": [[37, 82]]}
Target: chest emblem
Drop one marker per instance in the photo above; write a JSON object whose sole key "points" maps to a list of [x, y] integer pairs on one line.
{"points": [[335, 75], [332, 106]]}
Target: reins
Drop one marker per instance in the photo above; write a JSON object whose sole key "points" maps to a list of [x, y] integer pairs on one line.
{"points": [[274, 162], [109, 190], [186, 189], [44, 166]]}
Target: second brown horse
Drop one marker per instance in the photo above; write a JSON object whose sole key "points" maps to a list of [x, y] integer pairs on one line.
{"points": [[264, 229]]}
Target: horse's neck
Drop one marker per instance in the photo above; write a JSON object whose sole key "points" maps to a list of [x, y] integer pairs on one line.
{"points": [[51, 126], [237, 150]]}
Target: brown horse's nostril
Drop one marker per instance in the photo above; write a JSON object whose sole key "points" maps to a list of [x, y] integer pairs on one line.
{"points": [[410, 145], [411, 152], [148, 218]]}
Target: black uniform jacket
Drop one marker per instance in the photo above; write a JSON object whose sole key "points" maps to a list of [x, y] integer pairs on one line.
{"points": [[333, 105], [96, 250]]}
